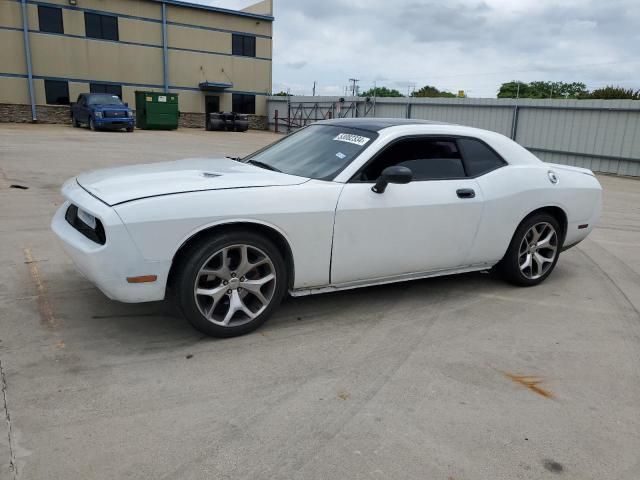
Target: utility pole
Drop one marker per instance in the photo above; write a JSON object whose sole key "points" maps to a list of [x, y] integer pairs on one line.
{"points": [[375, 91], [409, 91], [354, 82], [314, 88]]}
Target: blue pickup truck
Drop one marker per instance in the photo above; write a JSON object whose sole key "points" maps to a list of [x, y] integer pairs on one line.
{"points": [[102, 111]]}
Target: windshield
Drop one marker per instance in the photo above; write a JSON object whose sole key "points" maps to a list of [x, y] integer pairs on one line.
{"points": [[317, 151], [103, 100]]}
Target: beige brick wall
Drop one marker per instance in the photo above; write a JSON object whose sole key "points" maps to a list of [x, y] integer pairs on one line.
{"points": [[13, 113], [45, 113]]}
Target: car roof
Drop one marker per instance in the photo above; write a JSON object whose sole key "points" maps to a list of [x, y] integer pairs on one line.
{"points": [[377, 124]]}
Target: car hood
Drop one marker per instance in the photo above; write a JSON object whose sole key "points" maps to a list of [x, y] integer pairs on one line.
{"points": [[124, 184]]}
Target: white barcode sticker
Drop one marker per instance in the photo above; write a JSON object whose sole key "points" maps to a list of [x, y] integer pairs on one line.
{"points": [[351, 138], [162, 98]]}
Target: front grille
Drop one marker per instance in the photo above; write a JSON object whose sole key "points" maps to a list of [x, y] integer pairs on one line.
{"points": [[96, 235], [109, 114]]}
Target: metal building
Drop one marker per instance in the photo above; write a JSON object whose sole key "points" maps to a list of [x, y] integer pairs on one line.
{"points": [[52, 50]]}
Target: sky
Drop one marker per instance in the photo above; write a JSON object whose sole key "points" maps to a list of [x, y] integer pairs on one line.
{"points": [[452, 44]]}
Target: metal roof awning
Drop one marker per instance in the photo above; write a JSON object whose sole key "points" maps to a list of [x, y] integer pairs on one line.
{"points": [[214, 86]]}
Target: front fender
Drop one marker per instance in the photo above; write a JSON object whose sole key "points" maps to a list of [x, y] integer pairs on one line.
{"points": [[302, 214]]}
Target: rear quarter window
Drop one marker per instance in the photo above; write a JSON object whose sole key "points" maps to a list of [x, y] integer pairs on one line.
{"points": [[478, 157]]}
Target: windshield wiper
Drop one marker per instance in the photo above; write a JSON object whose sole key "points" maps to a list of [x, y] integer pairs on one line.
{"points": [[237, 159], [266, 166]]}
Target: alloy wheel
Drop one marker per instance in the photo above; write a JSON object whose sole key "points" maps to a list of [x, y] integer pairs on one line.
{"points": [[538, 250], [235, 285]]}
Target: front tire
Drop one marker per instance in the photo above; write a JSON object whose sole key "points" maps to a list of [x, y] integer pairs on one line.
{"points": [[92, 124], [533, 252], [230, 284]]}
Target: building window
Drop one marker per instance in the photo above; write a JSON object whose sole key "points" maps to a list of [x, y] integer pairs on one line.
{"points": [[101, 26], [50, 19], [243, 103], [243, 45], [106, 88], [57, 92]]}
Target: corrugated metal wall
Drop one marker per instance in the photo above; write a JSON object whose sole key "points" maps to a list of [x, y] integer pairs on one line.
{"points": [[603, 135]]}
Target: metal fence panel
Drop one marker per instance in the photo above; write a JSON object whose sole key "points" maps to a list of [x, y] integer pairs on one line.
{"points": [[602, 135]]}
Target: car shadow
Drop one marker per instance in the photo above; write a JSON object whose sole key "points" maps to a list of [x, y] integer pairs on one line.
{"points": [[155, 326]]}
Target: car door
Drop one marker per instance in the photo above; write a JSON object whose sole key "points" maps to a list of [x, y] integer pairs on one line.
{"points": [[81, 110], [426, 225], [484, 164]]}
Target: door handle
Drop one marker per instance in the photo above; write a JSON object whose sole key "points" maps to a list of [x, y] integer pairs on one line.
{"points": [[466, 193]]}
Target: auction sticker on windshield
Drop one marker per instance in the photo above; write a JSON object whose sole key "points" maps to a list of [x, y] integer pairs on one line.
{"points": [[350, 138]]}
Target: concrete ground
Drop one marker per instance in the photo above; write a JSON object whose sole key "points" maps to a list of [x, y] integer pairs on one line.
{"points": [[451, 378]]}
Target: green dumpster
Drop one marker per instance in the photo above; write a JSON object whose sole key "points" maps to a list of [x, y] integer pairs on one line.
{"points": [[156, 110]]}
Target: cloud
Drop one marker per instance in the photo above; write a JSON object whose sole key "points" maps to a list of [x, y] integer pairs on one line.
{"points": [[471, 45], [297, 65]]}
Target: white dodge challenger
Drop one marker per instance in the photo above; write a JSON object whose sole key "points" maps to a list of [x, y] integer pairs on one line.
{"points": [[337, 205]]}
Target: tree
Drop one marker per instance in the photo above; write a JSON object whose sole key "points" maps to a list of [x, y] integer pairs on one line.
{"points": [[543, 89], [430, 91], [514, 89], [282, 94], [612, 93], [381, 92]]}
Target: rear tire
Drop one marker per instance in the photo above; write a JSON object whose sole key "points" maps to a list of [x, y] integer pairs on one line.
{"points": [[533, 252], [129, 129], [229, 285], [76, 123]]}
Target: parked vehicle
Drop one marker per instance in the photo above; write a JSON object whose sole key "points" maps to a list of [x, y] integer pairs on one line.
{"points": [[102, 111], [337, 205]]}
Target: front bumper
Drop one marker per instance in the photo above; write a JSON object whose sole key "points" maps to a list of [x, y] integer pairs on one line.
{"points": [[115, 122], [108, 265]]}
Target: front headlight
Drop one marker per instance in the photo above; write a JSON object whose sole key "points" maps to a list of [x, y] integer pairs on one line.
{"points": [[98, 114], [85, 223], [129, 113], [88, 219]]}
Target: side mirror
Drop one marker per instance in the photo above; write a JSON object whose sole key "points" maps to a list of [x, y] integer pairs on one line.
{"points": [[394, 174], [126, 104]]}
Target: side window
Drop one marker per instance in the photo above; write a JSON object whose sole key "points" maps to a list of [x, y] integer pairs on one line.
{"points": [[50, 19], [478, 157], [427, 158], [56, 92]]}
